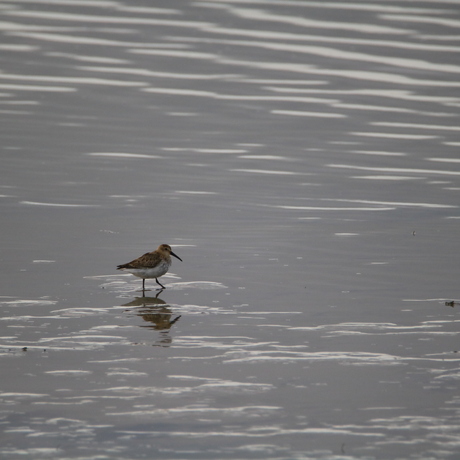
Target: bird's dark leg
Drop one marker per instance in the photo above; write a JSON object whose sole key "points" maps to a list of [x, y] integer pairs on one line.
{"points": [[159, 283], [143, 287]]}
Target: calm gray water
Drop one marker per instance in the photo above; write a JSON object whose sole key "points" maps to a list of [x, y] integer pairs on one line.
{"points": [[301, 157]]}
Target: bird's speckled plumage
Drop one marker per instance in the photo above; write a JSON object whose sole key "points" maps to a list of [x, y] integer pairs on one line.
{"points": [[151, 265]]}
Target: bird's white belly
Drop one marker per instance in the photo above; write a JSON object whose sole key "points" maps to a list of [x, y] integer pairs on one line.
{"points": [[154, 272]]}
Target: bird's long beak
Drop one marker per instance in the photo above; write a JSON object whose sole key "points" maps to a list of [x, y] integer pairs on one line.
{"points": [[176, 256]]}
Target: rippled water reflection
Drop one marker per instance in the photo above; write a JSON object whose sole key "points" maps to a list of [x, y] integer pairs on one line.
{"points": [[303, 157]]}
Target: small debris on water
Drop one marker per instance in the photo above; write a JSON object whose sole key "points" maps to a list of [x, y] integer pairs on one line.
{"points": [[451, 303]]}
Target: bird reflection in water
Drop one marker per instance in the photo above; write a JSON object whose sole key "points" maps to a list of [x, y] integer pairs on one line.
{"points": [[157, 313]]}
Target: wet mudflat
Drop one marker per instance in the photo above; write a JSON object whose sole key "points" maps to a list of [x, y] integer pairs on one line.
{"points": [[301, 158]]}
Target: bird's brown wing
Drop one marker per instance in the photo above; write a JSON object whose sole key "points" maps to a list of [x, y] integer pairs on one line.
{"points": [[149, 259]]}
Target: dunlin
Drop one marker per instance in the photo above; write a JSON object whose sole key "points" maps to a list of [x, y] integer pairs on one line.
{"points": [[151, 264]]}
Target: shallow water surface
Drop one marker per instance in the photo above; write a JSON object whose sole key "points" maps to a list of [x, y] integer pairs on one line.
{"points": [[301, 158]]}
